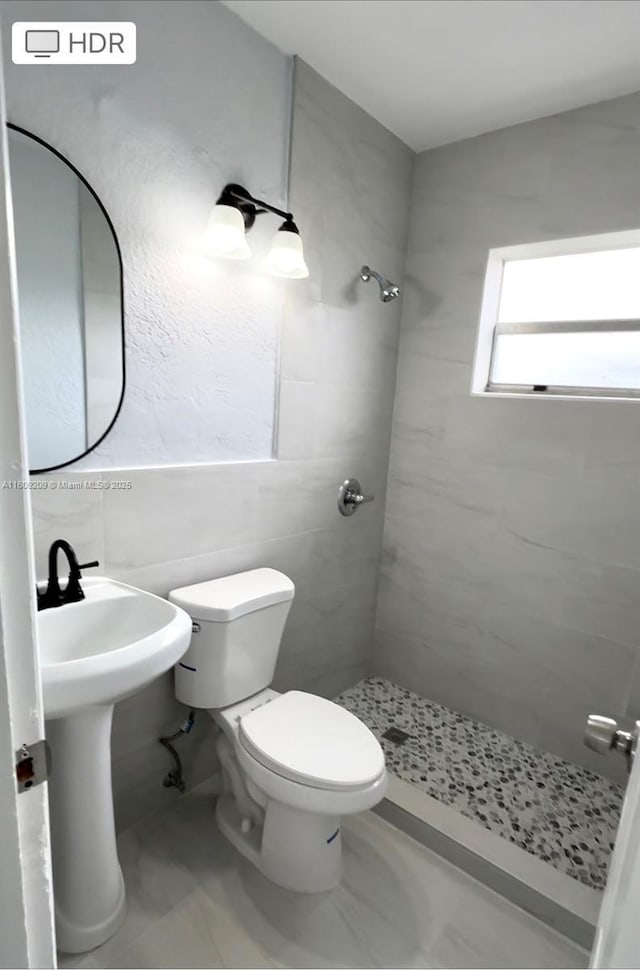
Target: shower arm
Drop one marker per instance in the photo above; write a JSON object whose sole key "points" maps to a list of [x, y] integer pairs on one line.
{"points": [[366, 273]]}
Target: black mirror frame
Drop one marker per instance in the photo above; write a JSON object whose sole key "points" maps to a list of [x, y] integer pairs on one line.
{"points": [[54, 151]]}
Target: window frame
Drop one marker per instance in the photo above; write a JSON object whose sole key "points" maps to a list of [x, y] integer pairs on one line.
{"points": [[489, 328]]}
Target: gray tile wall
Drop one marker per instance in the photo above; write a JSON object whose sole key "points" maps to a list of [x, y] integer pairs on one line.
{"points": [[350, 189], [510, 585]]}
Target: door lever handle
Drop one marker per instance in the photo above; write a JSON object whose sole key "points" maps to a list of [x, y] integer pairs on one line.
{"points": [[602, 735]]}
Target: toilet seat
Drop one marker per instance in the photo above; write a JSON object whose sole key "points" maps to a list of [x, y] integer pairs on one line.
{"points": [[312, 741]]}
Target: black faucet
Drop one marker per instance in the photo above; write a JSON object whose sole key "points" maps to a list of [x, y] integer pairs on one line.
{"points": [[53, 595]]}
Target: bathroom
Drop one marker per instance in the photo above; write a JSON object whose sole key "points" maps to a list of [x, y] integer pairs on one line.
{"points": [[477, 610]]}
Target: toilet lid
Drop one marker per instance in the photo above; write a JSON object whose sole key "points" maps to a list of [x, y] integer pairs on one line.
{"points": [[312, 741]]}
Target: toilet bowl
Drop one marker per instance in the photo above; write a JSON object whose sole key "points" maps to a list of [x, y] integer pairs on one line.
{"points": [[306, 762], [293, 763]]}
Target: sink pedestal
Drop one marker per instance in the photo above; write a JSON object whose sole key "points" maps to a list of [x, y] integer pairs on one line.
{"points": [[94, 652], [88, 885]]}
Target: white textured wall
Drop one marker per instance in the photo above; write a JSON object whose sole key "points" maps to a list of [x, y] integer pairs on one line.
{"points": [[207, 102], [510, 585], [180, 525]]}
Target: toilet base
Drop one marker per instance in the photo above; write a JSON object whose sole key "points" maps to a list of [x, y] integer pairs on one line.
{"points": [[298, 850]]}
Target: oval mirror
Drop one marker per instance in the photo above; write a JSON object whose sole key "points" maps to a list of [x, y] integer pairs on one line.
{"points": [[70, 302]]}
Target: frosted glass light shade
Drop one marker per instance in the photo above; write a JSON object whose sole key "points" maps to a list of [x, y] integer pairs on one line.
{"points": [[286, 257], [224, 235]]}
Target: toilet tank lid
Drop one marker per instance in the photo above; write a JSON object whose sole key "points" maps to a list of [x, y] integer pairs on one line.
{"points": [[229, 597]]}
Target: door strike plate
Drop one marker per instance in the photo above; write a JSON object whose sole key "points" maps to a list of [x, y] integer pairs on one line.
{"points": [[32, 765]]}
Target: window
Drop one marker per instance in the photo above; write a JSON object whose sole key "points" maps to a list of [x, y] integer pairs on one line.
{"points": [[562, 318]]}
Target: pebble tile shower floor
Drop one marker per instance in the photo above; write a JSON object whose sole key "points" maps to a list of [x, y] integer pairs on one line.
{"points": [[558, 811]]}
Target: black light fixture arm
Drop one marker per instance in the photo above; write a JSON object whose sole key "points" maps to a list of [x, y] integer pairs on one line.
{"points": [[241, 198]]}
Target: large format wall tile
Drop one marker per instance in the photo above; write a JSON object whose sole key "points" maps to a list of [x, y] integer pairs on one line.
{"points": [[68, 507], [511, 565], [171, 513]]}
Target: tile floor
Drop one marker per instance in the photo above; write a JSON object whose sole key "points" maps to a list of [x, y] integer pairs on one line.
{"points": [[558, 811], [193, 902]]}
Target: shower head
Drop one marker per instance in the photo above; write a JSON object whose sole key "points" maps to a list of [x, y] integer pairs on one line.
{"points": [[388, 290]]}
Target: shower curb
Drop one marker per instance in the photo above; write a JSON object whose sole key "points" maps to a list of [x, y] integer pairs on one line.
{"points": [[548, 894]]}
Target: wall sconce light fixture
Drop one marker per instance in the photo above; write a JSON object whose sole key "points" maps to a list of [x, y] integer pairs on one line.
{"points": [[234, 214]]}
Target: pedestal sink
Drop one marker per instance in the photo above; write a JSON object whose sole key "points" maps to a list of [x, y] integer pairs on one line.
{"points": [[92, 654]]}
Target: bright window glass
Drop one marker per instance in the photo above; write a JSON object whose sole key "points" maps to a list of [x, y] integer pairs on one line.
{"points": [[581, 286], [572, 360]]}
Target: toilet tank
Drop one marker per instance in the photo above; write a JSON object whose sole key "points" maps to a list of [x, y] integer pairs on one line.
{"points": [[238, 623]]}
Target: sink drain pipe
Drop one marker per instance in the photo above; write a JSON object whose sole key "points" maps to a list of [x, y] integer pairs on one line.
{"points": [[175, 778]]}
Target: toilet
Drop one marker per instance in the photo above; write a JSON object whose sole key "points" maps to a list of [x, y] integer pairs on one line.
{"points": [[293, 764]]}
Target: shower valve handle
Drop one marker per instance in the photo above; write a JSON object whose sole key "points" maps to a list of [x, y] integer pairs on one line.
{"points": [[350, 496], [361, 499]]}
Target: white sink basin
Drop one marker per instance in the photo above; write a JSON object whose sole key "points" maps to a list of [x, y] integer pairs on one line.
{"points": [[107, 646], [92, 654]]}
